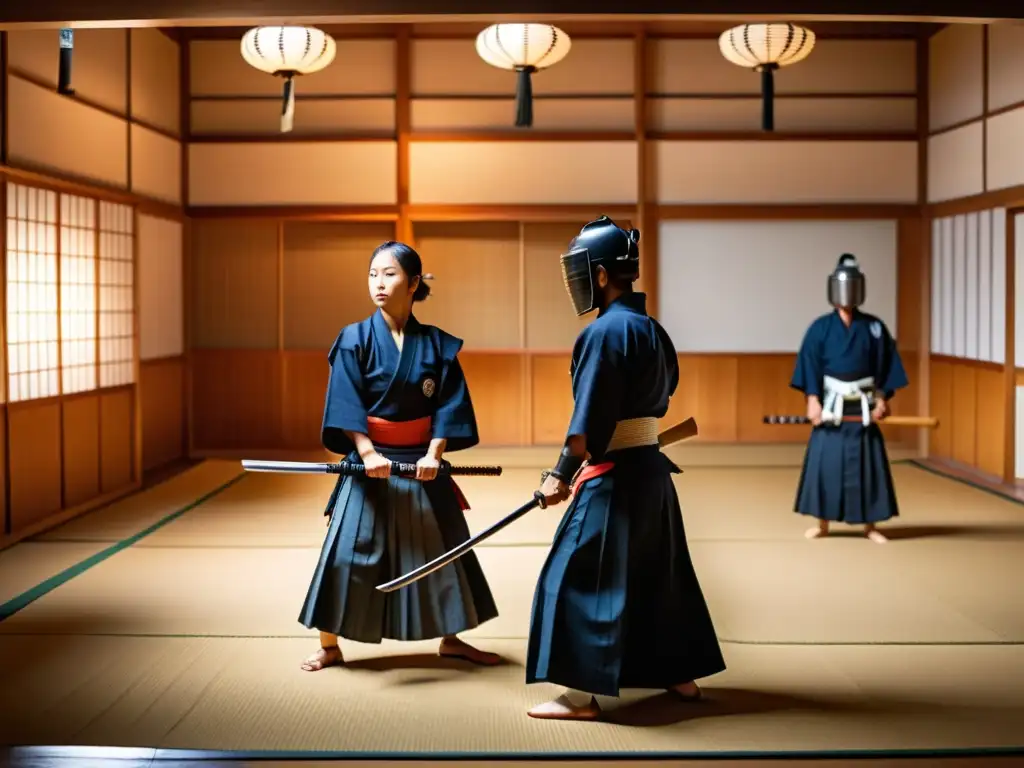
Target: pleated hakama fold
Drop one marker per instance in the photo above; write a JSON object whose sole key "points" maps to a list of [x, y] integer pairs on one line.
{"points": [[618, 604], [846, 476], [380, 529]]}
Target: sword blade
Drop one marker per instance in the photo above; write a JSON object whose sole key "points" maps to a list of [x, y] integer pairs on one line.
{"points": [[450, 557], [296, 467]]}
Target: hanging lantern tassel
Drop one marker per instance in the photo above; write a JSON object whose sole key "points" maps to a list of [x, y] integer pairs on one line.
{"points": [[765, 48], [523, 49], [67, 52], [768, 96], [524, 97], [288, 107]]}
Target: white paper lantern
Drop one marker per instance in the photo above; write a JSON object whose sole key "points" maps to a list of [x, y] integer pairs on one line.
{"points": [[287, 52], [765, 48], [524, 49]]}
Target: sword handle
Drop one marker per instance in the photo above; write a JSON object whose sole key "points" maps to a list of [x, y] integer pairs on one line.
{"points": [[401, 468], [786, 420]]}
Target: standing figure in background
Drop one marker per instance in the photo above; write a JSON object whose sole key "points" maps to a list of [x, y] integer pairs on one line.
{"points": [[848, 369], [617, 604], [396, 393]]}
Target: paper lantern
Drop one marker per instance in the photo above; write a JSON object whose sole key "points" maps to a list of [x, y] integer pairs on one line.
{"points": [[287, 52], [524, 49], [765, 48]]}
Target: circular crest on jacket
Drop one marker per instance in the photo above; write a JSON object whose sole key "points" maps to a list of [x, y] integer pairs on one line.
{"points": [[600, 243]]}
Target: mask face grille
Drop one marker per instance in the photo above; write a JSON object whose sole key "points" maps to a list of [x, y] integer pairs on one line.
{"points": [[846, 289], [578, 279]]}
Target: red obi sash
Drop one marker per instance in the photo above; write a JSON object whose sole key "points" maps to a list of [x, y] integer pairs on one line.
{"points": [[401, 434], [589, 472]]}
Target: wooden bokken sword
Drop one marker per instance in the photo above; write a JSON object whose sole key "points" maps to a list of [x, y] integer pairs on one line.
{"points": [[682, 431]]}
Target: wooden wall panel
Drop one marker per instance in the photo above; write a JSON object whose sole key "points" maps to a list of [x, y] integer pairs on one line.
{"points": [[339, 118], [493, 381], [304, 387], [155, 165], [753, 172], [502, 172], [99, 71], [550, 321], [967, 398], [80, 430], [116, 436], [52, 133], [475, 293], [956, 81], [1004, 162], [881, 115], [234, 284], [155, 79], [956, 163], [160, 278], [34, 462], [550, 397], [1005, 65], [248, 174], [162, 390], [325, 279], [4, 519], [236, 399]]}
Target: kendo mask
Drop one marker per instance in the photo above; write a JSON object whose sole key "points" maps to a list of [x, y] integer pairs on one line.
{"points": [[846, 284], [599, 243]]}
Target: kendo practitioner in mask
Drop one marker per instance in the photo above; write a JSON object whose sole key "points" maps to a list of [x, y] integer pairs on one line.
{"points": [[617, 604], [849, 370]]}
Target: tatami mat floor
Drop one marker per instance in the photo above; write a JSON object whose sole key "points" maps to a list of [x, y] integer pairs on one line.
{"points": [[180, 630]]}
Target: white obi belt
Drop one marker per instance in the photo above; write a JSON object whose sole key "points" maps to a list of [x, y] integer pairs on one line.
{"points": [[838, 393]]}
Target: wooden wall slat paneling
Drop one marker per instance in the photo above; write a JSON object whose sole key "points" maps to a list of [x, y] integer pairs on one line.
{"points": [[116, 447], [956, 82], [793, 115], [576, 115], [156, 79], [4, 471], [236, 399], [522, 172], [99, 71], [956, 163], [1004, 160], [1005, 65], [155, 165], [234, 283], [252, 174], [80, 426], [967, 398], [161, 389], [475, 293], [34, 462], [252, 399], [762, 172], [550, 321], [697, 66], [313, 117], [52, 133], [325, 279]]}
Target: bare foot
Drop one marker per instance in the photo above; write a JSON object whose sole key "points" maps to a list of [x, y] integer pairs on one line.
{"points": [[454, 648], [563, 709], [687, 691], [325, 657], [876, 536], [816, 533]]}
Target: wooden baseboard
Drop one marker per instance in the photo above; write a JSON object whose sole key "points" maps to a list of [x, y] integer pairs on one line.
{"points": [[974, 476], [66, 515]]}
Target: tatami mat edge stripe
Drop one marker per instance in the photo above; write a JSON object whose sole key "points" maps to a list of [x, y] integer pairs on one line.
{"points": [[16, 604]]}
